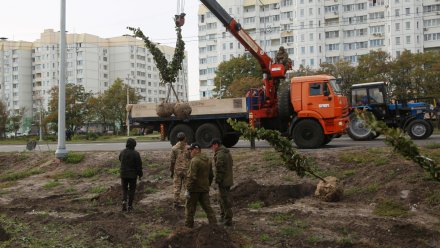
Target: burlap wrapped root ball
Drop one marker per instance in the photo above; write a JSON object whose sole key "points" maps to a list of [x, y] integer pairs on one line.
{"points": [[165, 109], [330, 190], [182, 110]]}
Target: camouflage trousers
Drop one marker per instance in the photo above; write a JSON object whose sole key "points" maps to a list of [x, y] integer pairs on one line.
{"points": [[178, 183], [191, 205], [225, 204]]}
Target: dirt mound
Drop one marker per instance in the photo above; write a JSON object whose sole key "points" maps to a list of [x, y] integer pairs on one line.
{"points": [[4, 236], [250, 191], [211, 236], [114, 193], [182, 110]]}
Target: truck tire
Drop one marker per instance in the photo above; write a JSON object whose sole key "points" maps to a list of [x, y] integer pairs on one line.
{"points": [[285, 109], [186, 129], [419, 129], [206, 133], [230, 140], [327, 139], [308, 134], [358, 130]]}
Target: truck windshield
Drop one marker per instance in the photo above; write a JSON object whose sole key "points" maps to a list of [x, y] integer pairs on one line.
{"points": [[336, 86]]}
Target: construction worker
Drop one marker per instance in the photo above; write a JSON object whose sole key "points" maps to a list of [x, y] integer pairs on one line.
{"points": [[282, 57], [131, 168], [199, 179], [224, 179], [180, 158]]}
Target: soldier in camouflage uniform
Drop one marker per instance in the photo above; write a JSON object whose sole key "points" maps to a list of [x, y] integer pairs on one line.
{"points": [[224, 178], [179, 166], [199, 179]]}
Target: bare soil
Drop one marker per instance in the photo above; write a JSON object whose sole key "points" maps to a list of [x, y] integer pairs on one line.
{"points": [[388, 202]]}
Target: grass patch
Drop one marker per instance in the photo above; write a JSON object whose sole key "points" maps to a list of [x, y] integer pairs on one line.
{"points": [[432, 145], [282, 217], [391, 209], [97, 190], [374, 156], [370, 188], [113, 171], [348, 173], [51, 184], [256, 205], [265, 237], [272, 158], [20, 175], [158, 233], [7, 184], [314, 239], [70, 190], [150, 190], [89, 172], [434, 198], [65, 174], [74, 157]]}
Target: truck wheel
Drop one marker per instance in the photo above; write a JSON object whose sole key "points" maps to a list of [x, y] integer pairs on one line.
{"points": [[206, 133], [285, 109], [230, 140], [358, 130], [327, 139], [308, 134], [186, 129], [419, 129]]}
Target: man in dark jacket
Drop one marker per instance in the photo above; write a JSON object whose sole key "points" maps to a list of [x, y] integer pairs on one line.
{"points": [[224, 178], [199, 179], [131, 168]]}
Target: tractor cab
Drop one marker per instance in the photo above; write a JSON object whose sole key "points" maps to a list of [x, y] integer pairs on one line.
{"points": [[371, 96]]}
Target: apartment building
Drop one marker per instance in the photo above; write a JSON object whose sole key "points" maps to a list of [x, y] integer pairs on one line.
{"points": [[29, 70], [317, 31]]}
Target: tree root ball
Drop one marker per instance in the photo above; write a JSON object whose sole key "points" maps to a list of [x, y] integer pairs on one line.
{"points": [[182, 110], [165, 109], [330, 190]]}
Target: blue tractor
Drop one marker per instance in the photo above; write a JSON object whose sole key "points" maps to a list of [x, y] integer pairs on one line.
{"points": [[408, 114]]}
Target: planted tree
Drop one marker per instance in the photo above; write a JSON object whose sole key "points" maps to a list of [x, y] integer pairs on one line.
{"points": [[3, 118]]}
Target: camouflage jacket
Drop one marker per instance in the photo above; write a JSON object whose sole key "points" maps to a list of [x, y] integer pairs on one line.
{"points": [[200, 175], [179, 158], [223, 167]]}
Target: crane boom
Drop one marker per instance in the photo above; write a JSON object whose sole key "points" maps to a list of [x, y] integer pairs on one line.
{"points": [[240, 34]]}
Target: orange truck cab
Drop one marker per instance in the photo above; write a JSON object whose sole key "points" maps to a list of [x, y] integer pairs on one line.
{"points": [[319, 110]]}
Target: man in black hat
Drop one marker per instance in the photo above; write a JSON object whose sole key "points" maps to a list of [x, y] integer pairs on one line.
{"points": [[224, 178], [131, 168], [199, 179]]}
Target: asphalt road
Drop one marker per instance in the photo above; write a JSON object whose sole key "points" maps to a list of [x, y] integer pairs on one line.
{"points": [[342, 142]]}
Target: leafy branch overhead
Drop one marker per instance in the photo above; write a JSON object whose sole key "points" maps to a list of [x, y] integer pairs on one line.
{"points": [[292, 159], [402, 144], [168, 72]]}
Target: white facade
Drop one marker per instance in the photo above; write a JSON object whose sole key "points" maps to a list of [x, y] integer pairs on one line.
{"points": [[29, 70], [317, 31]]}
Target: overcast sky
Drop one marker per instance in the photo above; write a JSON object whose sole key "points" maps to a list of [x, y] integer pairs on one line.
{"points": [[26, 19]]}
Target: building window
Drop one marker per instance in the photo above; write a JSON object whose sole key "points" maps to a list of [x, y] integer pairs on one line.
{"points": [[397, 40]]}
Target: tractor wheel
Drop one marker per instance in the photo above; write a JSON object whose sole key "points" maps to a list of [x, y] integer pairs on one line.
{"points": [[230, 140], [186, 129], [308, 134], [358, 130], [419, 129], [206, 133], [285, 109], [327, 139]]}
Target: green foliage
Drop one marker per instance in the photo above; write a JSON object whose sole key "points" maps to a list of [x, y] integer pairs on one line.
{"points": [[265, 237], [238, 75], [4, 115], [168, 72], [292, 159], [113, 171], [432, 145], [51, 184], [74, 158], [391, 209], [256, 205], [401, 143], [13, 176]]}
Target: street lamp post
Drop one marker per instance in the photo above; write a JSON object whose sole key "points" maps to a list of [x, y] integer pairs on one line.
{"points": [[61, 151]]}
